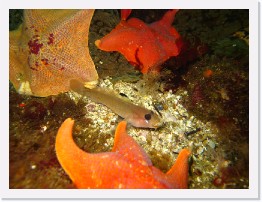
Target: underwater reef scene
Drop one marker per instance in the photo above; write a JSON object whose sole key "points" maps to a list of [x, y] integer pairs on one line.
{"points": [[165, 102]]}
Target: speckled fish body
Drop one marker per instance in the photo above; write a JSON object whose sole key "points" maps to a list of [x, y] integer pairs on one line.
{"points": [[136, 115], [126, 166]]}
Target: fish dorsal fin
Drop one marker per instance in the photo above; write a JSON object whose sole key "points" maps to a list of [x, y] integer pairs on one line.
{"points": [[178, 174], [128, 147]]}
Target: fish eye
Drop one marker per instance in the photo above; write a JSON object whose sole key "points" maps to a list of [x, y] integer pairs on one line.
{"points": [[148, 117]]}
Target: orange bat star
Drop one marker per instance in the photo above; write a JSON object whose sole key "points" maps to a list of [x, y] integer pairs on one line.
{"points": [[146, 46], [126, 166]]}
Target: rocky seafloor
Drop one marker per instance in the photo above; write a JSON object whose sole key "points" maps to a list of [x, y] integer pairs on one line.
{"points": [[203, 102]]}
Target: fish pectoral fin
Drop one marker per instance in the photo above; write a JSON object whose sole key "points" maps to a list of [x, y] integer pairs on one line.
{"points": [[91, 84]]}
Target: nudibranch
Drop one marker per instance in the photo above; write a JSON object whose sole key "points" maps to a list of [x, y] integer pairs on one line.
{"points": [[126, 166]]}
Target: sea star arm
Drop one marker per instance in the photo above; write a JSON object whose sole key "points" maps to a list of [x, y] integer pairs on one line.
{"points": [[118, 169], [178, 174], [127, 166], [127, 146]]}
